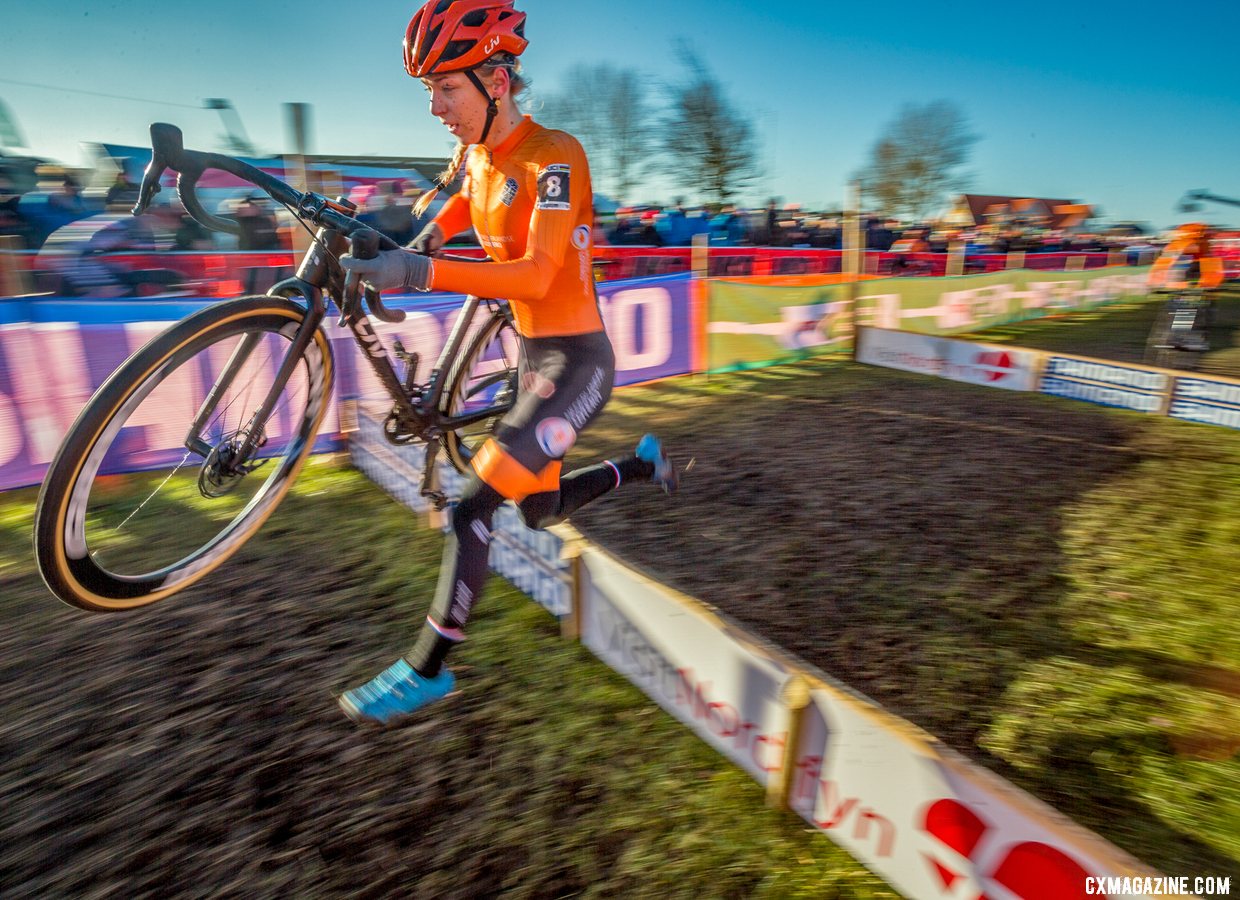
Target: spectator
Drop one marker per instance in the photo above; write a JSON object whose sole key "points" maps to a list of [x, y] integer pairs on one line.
{"points": [[68, 201], [770, 236], [258, 224], [123, 192], [189, 236], [12, 222], [394, 213], [76, 255]]}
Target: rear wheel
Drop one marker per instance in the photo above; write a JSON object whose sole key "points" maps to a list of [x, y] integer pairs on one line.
{"points": [[482, 381], [149, 491]]}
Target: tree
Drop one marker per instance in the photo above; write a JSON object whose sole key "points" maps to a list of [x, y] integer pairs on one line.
{"points": [[713, 143], [609, 111], [916, 160]]}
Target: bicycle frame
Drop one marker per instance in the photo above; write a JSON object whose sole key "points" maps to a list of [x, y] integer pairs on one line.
{"points": [[318, 280]]}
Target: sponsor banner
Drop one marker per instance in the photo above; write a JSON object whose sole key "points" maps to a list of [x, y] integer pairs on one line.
{"points": [[695, 666], [985, 364], [929, 822], [1095, 381], [48, 371], [529, 558], [650, 323], [1209, 401], [975, 302], [55, 353], [755, 324]]}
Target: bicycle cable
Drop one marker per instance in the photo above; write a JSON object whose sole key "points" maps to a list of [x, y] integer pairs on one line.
{"points": [[314, 238]]}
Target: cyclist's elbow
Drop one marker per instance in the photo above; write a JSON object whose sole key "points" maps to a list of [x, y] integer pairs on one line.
{"points": [[536, 279]]}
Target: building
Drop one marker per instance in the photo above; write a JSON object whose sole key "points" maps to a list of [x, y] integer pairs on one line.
{"points": [[977, 210]]}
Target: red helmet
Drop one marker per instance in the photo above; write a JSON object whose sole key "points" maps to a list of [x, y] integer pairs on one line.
{"points": [[457, 35]]}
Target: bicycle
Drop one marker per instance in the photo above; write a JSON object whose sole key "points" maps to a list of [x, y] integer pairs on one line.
{"points": [[240, 388]]}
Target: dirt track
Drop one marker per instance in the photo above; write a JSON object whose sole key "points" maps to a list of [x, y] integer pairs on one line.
{"points": [[209, 759], [803, 516]]}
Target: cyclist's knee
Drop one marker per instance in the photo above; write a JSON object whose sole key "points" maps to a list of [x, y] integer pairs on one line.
{"points": [[541, 510]]}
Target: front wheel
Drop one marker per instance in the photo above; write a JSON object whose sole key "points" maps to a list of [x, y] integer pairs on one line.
{"points": [[482, 385], [150, 490]]}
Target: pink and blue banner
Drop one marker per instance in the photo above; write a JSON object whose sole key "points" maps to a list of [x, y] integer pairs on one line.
{"points": [[55, 353]]}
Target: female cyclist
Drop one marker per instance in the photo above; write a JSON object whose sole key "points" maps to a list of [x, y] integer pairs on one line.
{"points": [[526, 192]]}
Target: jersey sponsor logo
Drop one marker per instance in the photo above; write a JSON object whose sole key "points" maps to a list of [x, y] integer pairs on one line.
{"points": [[581, 237], [509, 193], [553, 187], [590, 401], [555, 436]]}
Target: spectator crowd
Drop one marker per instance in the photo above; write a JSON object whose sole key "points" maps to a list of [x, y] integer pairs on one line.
{"points": [[74, 229], [788, 225]]}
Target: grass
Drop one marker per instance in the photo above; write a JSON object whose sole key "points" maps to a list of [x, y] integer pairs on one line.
{"points": [[1120, 333]]}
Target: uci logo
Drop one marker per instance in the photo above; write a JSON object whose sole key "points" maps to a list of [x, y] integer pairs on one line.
{"points": [[490, 46]]}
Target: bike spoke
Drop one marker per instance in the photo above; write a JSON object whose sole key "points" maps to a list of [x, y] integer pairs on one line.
{"points": [[158, 488]]}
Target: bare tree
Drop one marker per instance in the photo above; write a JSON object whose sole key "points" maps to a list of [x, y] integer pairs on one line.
{"points": [[713, 143], [916, 160], [610, 112]]}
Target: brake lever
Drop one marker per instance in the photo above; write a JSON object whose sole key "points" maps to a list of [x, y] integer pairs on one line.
{"points": [[365, 243], [167, 147]]}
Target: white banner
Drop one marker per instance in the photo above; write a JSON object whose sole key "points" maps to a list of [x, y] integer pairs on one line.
{"points": [[989, 365], [931, 823], [688, 661]]}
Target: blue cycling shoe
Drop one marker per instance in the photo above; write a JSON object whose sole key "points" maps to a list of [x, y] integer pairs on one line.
{"points": [[394, 693], [650, 449]]}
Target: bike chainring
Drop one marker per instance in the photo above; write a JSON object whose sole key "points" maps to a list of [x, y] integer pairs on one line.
{"points": [[399, 431]]}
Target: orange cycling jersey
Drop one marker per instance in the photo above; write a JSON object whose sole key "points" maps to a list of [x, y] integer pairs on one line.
{"points": [[530, 201]]}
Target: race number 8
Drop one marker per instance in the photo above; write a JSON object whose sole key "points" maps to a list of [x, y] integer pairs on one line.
{"points": [[553, 187]]}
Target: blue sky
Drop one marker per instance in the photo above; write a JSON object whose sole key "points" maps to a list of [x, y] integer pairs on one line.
{"points": [[1122, 105]]}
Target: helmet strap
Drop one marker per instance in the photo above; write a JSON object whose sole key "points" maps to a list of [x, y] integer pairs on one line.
{"points": [[492, 103]]}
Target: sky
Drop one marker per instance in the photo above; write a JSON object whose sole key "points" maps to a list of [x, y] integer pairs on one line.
{"points": [[1123, 106]]}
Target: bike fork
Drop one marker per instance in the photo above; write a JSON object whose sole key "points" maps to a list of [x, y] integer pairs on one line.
{"points": [[255, 428], [239, 355]]}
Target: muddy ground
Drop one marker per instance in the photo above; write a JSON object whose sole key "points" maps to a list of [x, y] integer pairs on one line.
{"points": [[188, 751]]}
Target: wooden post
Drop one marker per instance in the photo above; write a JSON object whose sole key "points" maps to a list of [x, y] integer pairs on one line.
{"points": [[570, 625], [955, 258], [795, 697], [295, 166], [699, 294], [853, 256], [14, 280]]}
